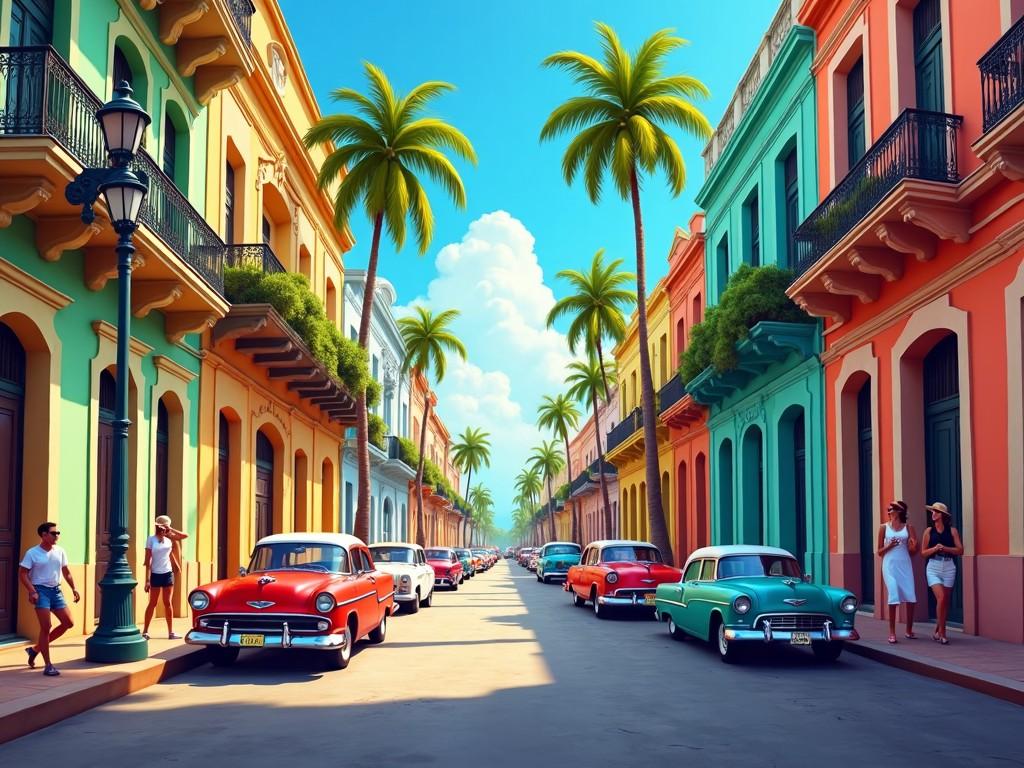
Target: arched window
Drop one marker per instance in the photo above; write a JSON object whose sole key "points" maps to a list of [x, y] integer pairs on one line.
{"points": [[162, 442], [229, 203], [122, 69], [170, 147]]}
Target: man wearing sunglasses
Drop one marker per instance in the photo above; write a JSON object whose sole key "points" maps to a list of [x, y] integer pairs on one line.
{"points": [[40, 573]]}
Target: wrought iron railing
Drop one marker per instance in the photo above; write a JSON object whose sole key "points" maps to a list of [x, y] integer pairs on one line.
{"points": [[582, 479], [257, 255], [918, 145], [591, 475], [1002, 76], [624, 429], [242, 12], [392, 447], [670, 394], [43, 97]]}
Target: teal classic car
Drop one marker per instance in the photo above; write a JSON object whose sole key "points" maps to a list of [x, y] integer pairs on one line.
{"points": [[554, 559], [737, 595], [466, 558]]}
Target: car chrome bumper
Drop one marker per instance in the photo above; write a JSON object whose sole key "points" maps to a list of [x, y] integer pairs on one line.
{"points": [[445, 582], [405, 598], [786, 636], [624, 601], [556, 575], [234, 640]]}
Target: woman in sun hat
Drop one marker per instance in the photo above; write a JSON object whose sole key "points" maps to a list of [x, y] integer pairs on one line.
{"points": [[897, 541], [161, 562], [941, 547]]}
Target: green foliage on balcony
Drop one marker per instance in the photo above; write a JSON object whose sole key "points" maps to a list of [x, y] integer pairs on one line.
{"points": [[752, 294], [293, 299], [377, 431], [373, 389], [563, 492], [432, 474]]}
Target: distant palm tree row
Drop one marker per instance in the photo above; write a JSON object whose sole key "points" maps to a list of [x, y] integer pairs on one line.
{"points": [[377, 158]]}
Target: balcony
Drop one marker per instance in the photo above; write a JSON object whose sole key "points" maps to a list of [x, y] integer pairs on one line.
{"points": [[676, 408], [254, 255], [898, 200], [1002, 92], [625, 442], [589, 480], [671, 393], [624, 429], [212, 40], [48, 134]]}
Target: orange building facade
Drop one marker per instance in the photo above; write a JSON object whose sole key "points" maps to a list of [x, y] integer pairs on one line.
{"points": [[914, 260], [585, 495], [687, 420]]}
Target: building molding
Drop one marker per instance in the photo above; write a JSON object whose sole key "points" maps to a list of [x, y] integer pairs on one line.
{"points": [[1014, 298]]}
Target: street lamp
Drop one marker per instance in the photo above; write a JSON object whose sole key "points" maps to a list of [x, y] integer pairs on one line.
{"points": [[123, 120]]}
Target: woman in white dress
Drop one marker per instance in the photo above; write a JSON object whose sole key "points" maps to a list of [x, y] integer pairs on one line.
{"points": [[897, 541]]}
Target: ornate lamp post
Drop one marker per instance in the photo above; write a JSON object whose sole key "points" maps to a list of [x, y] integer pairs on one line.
{"points": [[123, 121]]}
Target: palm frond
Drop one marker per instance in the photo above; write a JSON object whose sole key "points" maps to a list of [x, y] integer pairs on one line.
{"points": [[578, 112], [416, 100], [419, 211], [341, 129], [353, 188], [396, 206], [622, 164], [383, 95], [671, 161], [440, 170], [431, 132]]}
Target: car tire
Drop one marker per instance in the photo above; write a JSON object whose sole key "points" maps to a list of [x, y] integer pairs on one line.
{"points": [[827, 652], [414, 605], [578, 601], [339, 659], [599, 610], [221, 657], [428, 600], [674, 630], [380, 632], [727, 652], [455, 586]]}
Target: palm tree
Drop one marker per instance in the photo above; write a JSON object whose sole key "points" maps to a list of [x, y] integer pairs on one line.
{"points": [[548, 462], [587, 382], [597, 307], [471, 450], [618, 130], [529, 484], [481, 501], [427, 340], [561, 415], [377, 157]]}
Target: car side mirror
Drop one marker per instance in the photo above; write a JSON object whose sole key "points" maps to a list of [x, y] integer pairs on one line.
{"points": [[808, 578], [242, 571]]}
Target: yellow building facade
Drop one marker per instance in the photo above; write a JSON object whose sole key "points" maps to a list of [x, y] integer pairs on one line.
{"points": [[625, 442]]}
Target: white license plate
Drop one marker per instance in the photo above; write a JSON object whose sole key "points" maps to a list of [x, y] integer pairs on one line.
{"points": [[800, 638], [251, 641]]}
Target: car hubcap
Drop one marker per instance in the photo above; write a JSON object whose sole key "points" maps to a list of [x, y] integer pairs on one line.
{"points": [[671, 627], [723, 644]]}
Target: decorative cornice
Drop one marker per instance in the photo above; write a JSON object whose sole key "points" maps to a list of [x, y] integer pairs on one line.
{"points": [[17, 277], [109, 332], [164, 364]]}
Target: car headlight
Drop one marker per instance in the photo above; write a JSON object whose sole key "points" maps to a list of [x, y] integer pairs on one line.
{"points": [[848, 604], [741, 604], [612, 577], [324, 602], [199, 601], [404, 580]]}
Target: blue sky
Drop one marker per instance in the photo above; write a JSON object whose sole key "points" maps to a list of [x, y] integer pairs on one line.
{"points": [[496, 261]]}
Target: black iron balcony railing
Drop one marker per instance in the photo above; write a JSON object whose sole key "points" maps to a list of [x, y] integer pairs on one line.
{"points": [[258, 255], [43, 97], [582, 479], [1002, 76], [918, 145], [670, 394], [624, 429], [242, 11], [392, 447]]}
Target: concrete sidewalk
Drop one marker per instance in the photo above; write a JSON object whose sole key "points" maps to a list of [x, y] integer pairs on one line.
{"points": [[987, 666], [29, 700]]}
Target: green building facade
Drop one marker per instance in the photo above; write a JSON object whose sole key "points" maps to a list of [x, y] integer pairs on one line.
{"points": [[767, 417]]}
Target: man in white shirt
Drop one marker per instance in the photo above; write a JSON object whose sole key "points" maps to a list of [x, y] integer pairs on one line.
{"points": [[40, 573]]}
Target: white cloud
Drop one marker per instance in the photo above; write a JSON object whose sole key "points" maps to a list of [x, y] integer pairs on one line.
{"points": [[494, 279]]}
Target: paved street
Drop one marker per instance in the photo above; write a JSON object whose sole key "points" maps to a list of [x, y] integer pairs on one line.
{"points": [[506, 672]]}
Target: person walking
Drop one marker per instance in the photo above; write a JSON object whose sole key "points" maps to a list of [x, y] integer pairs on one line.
{"points": [[40, 571], [161, 561], [942, 545], [897, 541]]}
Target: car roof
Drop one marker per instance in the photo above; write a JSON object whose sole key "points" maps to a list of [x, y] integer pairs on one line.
{"points": [[737, 549], [436, 549], [395, 544], [570, 543], [620, 542], [339, 539]]}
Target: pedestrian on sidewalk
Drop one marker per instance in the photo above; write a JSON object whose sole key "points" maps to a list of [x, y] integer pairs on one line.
{"points": [[897, 541], [941, 547], [40, 573], [161, 562]]}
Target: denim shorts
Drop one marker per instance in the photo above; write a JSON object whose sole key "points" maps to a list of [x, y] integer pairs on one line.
{"points": [[50, 598], [941, 571]]}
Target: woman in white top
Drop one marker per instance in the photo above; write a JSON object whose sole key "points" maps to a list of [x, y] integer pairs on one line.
{"points": [[897, 541], [161, 562]]}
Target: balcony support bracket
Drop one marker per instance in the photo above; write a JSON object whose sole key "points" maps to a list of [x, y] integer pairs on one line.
{"points": [[192, 54], [907, 238], [55, 235], [148, 295], [825, 305], [175, 15], [1008, 161], [210, 80], [878, 261], [178, 324], [864, 287], [944, 221], [101, 266], [21, 194]]}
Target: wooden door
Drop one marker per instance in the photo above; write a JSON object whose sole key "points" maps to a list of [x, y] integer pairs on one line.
{"points": [[866, 503], [800, 489], [12, 390], [223, 467], [31, 24], [162, 442], [264, 486], [104, 479]]}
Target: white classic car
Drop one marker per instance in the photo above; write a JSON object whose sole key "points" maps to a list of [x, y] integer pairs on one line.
{"points": [[414, 576]]}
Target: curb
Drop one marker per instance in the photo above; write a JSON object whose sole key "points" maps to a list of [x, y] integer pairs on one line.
{"points": [[50, 707], [990, 685]]}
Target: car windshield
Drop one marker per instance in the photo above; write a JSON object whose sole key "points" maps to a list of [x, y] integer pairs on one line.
{"points": [[438, 554], [739, 566], [392, 555], [628, 553], [463, 553], [299, 556], [561, 549]]}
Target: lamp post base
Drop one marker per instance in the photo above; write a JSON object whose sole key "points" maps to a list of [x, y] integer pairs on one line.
{"points": [[117, 648], [117, 639]]}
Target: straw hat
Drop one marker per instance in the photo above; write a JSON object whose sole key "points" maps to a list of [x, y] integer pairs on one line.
{"points": [[163, 520], [938, 506]]}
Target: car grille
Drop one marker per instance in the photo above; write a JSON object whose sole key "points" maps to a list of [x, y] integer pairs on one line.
{"points": [[265, 623], [638, 592], [794, 622]]}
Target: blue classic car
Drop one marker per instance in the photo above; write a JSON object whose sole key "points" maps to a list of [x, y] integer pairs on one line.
{"points": [[739, 594], [554, 559]]}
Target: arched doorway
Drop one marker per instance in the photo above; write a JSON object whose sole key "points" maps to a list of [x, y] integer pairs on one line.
{"points": [[700, 470], [104, 477], [300, 481], [12, 409], [223, 470], [725, 500], [681, 512], [264, 507], [752, 524], [162, 443], [941, 383], [327, 492], [793, 483], [865, 501]]}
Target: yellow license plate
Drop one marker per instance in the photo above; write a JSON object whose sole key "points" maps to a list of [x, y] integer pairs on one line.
{"points": [[648, 599], [800, 638], [251, 641]]}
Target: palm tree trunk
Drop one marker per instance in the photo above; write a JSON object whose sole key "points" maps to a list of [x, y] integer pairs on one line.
{"points": [[362, 522], [604, 374], [655, 516], [600, 469], [465, 519], [568, 471], [421, 537], [551, 511]]}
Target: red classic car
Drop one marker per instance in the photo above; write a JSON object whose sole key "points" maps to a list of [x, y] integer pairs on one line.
{"points": [[302, 590], [618, 573], [447, 567]]}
